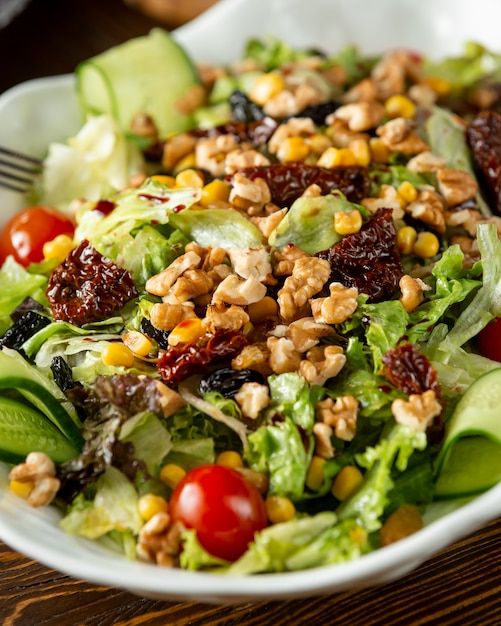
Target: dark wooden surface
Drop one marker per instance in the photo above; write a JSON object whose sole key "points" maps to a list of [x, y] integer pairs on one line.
{"points": [[461, 585]]}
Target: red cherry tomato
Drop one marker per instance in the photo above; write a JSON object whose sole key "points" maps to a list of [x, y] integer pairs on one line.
{"points": [[222, 507], [489, 340], [25, 234]]}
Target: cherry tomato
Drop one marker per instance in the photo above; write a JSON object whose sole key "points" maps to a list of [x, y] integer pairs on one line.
{"points": [[25, 234], [222, 507], [489, 340]]}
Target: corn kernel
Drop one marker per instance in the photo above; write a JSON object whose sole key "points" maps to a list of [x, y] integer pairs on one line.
{"points": [[279, 509], [22, 489], [347, 222], [137, 342], [315, 474], [117, 354], [172, 474], [58, 248], [293, 149], [347, 481], [163, 179], [151, 504], [189, 161], [265, 87], [403, 522], [379, 151], [441, 86], [361, 151], [318, 143], [186, 331], [262, 310], [336, 157], [215, 191], [407, 191], [190, 178], [230, 458], [426, 245], [399, 106], [406, 238]]}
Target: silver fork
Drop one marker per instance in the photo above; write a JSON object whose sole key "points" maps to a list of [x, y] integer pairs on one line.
{"points": [[18, 171]]}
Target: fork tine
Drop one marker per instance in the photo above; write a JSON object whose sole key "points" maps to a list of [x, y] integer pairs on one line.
{"points": [[18, 170], [19, 155]]}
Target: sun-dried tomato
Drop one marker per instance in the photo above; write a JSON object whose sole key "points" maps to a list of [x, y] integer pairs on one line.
{"points": [[288, 181], [257, 132], [181, 361], [484, 138], [369, 259], [87, 287]]}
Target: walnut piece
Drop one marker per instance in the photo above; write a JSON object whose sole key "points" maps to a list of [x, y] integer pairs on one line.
{"points": [[218, 317], [295, 127], [389, 76], [361, 116], [322, 363], [160, 541], [387, 198], [249, 195], [308, 277], [234, 290], [283, 355], [255, 357], [412, 292], [191, 284], [210, 153], [456, 186], [323, 444], [425, 162], [239, 159], [306, 332], [167, 315], [337, 307], [160, 284], [252, 398], [170, 401], [398, 135], [176, 148], [286, 258], [418, 412], [39, 472], [428, 208], [340, 414], [247, 262]]}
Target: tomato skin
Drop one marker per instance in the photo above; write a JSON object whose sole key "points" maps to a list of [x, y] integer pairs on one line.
{"points": [[489, 340], [222, 507], [26, 232]]}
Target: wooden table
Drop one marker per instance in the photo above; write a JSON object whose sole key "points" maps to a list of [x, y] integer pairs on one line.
{"points": [[461, 585]]}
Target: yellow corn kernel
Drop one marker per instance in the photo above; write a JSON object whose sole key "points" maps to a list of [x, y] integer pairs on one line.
{"points": [[361, 151], [186, 331], [190, 178], [379, 152], [265, 87], [426, 245], [163, 179], [406, 238], [347, 481], [336, 157], [347, 222], [315, 474], [187, 162], [22, 489], [172, 474], [215, 191], [118, 355], [439, 85], [293, 149], [137, 342], [279, 509], [399, 106], [403, 522], [58, 248], [262, 310], [407, 191], [318, 143], [151, 504], [230, 458]]}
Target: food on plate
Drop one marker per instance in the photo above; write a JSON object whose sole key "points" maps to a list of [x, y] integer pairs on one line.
{"points": [[261, 345]]}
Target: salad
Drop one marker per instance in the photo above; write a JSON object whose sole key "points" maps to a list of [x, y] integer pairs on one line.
{"points": [[250, 322]]}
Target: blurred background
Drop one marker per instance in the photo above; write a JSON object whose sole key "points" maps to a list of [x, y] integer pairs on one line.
{"points": [[48, 37]]}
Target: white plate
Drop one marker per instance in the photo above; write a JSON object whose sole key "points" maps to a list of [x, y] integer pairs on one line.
{"points": [[44, 110]]}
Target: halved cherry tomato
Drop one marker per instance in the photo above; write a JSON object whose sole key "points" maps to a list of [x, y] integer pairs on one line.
{"points": [[222, 507], [25, 234], [489, 340]]}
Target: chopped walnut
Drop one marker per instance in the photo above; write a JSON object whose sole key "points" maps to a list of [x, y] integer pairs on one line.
{"points": [[219, 317], [255, 357], [340, 414], [192, 100], [292, 100], [428, 208], [285, 260], [249, 195], [322, 363], [307, 332], [170, 401], [239, 159], [234, 290], [418, 412], [295, 127], [422, 95], [160, 284], [268, 223], [191, 284], [387, 198], [425, 162], [412, 292], [389, 76], [252, 398], [167, 315], [456, 186], [160, 541], [323, 444], [260, 481], [210, 153], [308, 277], [398, 135], [361, 116], [337, 307], [176, 148], [469, 248], [340, 134], [143, 125], [283, 355], [39, 472], [363, 91], [247, 262]]}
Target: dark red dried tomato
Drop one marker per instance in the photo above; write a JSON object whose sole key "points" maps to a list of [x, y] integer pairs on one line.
{"points": [[181, 361], [257, 132], [484, 138], [87, 287], [288, 181], [369, 259]]}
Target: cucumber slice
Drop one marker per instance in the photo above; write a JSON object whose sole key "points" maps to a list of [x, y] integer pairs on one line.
{"points": [[147, 74], [470, 459]]}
